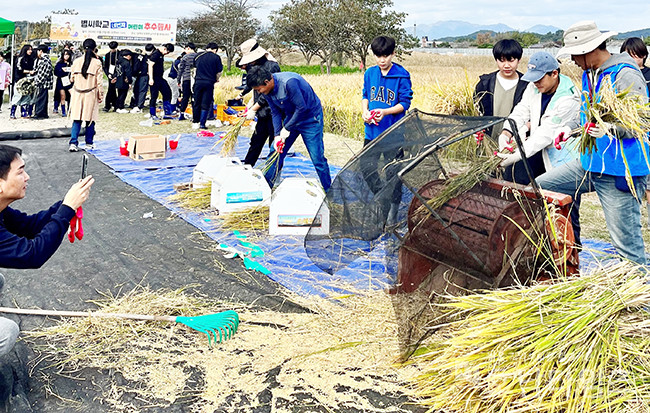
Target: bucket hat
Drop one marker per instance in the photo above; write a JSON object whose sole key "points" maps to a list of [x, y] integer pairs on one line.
{"points": [[583, 37], [251, 51]]}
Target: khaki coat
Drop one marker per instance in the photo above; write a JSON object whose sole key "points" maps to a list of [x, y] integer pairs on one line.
{"points": [[86, 93]]}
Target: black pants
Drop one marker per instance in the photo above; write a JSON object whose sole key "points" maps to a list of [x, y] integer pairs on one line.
{"points": [[2, 97], [121, 98], [517, 172], [186, 90], [203, 96], [263, 132], [161, 86], [40, 107], [140, 87], [111, 97]]}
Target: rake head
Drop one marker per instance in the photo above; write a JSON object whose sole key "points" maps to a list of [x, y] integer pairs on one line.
{"points": [[218, 327]]}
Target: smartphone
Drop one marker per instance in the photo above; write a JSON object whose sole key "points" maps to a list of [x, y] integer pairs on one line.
{"points": [[84, 166]]}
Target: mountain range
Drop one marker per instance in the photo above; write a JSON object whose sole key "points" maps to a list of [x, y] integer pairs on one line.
{"points": [[455, 28]]}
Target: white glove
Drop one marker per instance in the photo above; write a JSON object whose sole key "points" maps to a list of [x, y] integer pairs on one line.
{"points": [[595, 131], [505, 141], [508, 158], [284, 134], [250, 114]]}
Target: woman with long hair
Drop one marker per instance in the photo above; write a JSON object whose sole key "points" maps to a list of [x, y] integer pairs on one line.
{"points": [[86, 94], [63, 82], [24, 68]]}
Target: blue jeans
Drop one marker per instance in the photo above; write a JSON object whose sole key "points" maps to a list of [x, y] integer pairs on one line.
{"points": [[312, 136], [76, 128], [622, 210]]}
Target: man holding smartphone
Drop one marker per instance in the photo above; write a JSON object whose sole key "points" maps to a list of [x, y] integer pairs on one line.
{"points": [[28, 241]]}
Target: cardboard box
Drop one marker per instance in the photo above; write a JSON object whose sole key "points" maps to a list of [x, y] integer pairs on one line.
{"points": [[145, 147]]}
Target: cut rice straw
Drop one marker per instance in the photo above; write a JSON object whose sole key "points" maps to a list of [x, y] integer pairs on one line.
{"points": [[195, 199], [580, 345], [250, 219]]}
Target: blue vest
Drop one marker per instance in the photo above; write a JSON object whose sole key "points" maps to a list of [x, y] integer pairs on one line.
{"points": [[607, 158]]}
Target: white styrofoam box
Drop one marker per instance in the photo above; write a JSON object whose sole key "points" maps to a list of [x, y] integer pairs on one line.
{"points": [[238, 186], [294, 207], [209, 167]]}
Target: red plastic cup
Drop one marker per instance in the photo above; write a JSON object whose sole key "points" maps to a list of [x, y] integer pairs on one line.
{"points": [[173, 144]]}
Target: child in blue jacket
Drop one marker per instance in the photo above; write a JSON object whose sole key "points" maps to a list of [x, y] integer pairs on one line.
{"points": [[387, 95], [387, 91]]}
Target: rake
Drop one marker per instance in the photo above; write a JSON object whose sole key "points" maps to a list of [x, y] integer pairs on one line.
{"points": [[218, 327]]}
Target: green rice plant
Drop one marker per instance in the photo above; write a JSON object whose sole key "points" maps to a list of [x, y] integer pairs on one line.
{"points": [[578, 345]]}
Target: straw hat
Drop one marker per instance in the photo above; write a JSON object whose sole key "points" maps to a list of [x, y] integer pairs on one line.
{"points": [[251, 51], [582, 38]]}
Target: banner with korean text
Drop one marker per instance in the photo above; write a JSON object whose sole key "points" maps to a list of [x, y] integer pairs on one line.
{"points": [[67, 27]]}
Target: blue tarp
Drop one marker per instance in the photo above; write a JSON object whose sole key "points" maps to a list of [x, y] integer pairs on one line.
{"points": [[284, 256]]}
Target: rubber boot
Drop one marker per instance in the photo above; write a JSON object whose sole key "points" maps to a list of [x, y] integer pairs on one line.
{"points": [[56, 106], [167, 108], [152, 112], [204, 118], [12, 115], [30, 110], [23, 111], [63, 113]]}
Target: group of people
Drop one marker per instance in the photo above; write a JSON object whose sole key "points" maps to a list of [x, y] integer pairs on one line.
{"points": [[547, 109]]}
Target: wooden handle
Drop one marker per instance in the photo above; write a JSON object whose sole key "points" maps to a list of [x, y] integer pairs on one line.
{"points": [[29, 311]]}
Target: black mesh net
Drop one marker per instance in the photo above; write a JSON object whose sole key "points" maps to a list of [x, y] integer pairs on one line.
{"points": [[490, 231]]}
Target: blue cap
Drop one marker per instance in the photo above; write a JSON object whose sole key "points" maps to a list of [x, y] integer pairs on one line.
{"points": [[540, 64]]}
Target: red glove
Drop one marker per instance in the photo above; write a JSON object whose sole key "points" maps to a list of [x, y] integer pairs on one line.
{"points": [[588, 126], [76, 228], [480, 135]]}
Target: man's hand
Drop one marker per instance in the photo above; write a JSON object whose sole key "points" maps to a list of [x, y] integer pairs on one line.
{"points": [[563, 135], [508, 158], [595, 131], [505, 142], [278, 144], [250, 115], [79, 192], [150, 82], [367, 116], [378, 115]]}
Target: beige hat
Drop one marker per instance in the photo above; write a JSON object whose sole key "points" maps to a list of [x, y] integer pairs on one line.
{"points": [[251, 51], [582, 38]]}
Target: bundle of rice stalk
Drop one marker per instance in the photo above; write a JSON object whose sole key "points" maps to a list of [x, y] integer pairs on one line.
{"points": [[229, 140], [195, 199], [622, 109], [249, 219], [579, 345], [626, 112]]}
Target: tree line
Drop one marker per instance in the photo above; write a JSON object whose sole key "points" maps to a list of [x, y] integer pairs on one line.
{"points": [[330, 32]]}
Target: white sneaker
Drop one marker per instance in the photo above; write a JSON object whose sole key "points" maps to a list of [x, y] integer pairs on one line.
{"points": [[122, 111], [73, 148], [136, 110], [90, 146], [195, 126], [217, 123]]}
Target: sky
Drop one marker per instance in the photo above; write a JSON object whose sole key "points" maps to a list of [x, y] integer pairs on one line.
{"points": [[620, 16]]}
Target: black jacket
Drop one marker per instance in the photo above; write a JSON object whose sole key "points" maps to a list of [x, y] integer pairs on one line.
{"points": [[485, 92], [208, 66], [110, 59], [123, 74]]}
